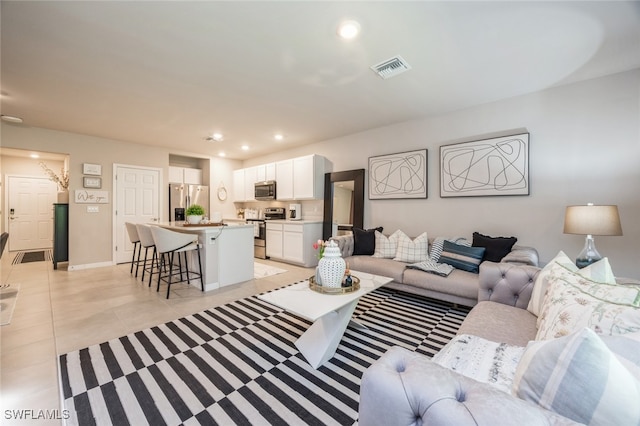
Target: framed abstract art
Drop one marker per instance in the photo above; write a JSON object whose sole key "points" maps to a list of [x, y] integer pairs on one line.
{"points": [[488, 167]]}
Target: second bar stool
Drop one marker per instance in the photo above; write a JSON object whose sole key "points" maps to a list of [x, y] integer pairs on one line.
{"points": [[146, 241], [167, 244], [132, 231]]}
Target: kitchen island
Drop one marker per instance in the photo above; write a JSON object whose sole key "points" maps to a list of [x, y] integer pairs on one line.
{"points": [[226, 253]]}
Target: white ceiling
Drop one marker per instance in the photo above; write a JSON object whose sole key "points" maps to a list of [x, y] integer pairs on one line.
{"points": [[172, 73]]}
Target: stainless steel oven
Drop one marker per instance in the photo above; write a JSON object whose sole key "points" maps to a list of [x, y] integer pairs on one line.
{"points": [[259, 238], [260, 230]]}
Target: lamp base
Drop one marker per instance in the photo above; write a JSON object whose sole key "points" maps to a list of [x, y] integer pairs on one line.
{"points": [[589, 254]]}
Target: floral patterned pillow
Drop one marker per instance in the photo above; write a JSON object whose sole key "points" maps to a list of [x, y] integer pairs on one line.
{"points": [[573, 302]]}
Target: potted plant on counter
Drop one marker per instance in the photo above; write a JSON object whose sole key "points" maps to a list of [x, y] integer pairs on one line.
{"points": [[194, 214]]}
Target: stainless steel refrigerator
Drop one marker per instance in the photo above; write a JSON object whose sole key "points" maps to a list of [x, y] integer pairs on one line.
{"points": [[181, 196]]}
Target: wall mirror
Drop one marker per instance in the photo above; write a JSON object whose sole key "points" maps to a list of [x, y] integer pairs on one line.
{"points": [[343, 202]]}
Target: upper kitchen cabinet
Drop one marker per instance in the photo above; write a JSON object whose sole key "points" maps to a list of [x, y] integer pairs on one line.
{"points": [[308, 177], [284, 180], [238, 185], [299, 178], [185, 175], [266, 172]]}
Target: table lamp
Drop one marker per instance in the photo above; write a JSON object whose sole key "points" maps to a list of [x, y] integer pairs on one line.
{"points": [[591, 220]]}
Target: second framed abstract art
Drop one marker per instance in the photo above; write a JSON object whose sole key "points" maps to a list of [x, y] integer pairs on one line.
{"points": [[488, 167]]}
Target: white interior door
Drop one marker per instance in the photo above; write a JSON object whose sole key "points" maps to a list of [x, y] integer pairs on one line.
{"points": [[30, 208], [137, 201]]}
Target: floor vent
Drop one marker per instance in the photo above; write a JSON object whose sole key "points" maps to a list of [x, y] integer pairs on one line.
{"points": [[391, 67]]}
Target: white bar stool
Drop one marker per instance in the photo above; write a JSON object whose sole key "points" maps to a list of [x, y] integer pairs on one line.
{"points": [[167, 244], [132, 231], [146, 241]]}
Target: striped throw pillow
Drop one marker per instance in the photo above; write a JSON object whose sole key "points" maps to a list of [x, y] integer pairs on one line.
{"points": [[438, 245], [462, 257], [578, 377]]}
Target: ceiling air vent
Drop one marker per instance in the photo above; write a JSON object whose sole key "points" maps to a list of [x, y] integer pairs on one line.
{"points": [[391, 67]]}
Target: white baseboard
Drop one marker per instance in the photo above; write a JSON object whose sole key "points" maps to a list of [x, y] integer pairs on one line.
{"points": [[89, 266]]}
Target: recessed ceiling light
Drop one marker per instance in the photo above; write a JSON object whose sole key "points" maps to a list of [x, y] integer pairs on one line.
{"points": [[34, 156], [222, 154], [278, 136], [216, 137], [348, 30], [11, 119], [245, 147]]}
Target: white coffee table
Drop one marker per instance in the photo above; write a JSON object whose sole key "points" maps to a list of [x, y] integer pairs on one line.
{"points": [[330, 314]]}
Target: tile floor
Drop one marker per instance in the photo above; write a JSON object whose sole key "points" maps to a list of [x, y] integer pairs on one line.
{"points": [[58, 311]]}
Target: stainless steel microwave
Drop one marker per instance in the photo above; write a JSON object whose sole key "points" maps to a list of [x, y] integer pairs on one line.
{"points": [[266, 190]]}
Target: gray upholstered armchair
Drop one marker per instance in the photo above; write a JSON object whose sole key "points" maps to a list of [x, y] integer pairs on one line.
{"points": [[404, 388]]}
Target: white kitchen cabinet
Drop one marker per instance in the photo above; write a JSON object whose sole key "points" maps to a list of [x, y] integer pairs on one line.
{"points": [[274, 240], [249, 184], [176, 174], [265, 172], [301, 178], [308, 177], [293, 242], [284, 180], [185, 175], [192, 176], [238, 185]]}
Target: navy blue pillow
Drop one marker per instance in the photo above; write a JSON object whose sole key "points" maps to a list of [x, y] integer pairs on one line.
{"points": [[462, 257], [364, 241]]}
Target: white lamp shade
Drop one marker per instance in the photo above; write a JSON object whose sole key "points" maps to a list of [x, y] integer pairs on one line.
{"points": [[592, 220]]}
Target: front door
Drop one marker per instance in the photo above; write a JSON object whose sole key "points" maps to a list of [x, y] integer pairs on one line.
{"points": [[30, 208], [137, 201]]}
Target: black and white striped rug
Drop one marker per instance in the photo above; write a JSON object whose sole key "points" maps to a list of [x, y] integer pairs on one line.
{"points": [[237, 364]]}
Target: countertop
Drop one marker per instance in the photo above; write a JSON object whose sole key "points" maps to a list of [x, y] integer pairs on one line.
{"points": [[294, 222], [178, 225]]}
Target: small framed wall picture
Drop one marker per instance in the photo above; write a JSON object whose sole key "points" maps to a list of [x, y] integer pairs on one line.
{"points": [[92, 182], [92, 169]]}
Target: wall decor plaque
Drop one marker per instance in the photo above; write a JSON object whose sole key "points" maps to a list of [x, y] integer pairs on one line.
{"points": [[87, 196]]}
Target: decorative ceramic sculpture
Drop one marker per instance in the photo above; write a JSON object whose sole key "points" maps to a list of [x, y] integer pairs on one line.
{"points": [[332, 266]]}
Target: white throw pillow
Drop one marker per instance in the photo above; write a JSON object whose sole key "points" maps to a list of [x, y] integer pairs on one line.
{"points": [[386, 247], [574, 302], [598, 271], [578, 377], [412, 251]]}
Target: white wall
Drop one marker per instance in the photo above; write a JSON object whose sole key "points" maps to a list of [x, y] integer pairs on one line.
{"points": [[90, 234], [584, 147]]}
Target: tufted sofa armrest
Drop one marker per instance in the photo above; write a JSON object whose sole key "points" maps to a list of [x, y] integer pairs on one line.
{"points": [[405, 388], [522, 255], [345, 243], [507, 283]]}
